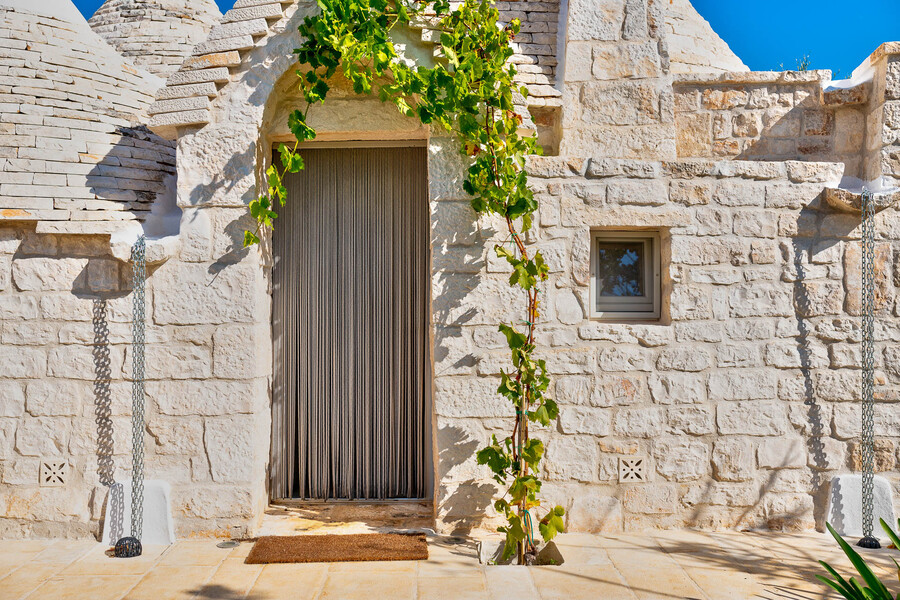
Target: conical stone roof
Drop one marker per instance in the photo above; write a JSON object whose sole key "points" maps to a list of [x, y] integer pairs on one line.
{"points": [[73, 145], [156, 35]]}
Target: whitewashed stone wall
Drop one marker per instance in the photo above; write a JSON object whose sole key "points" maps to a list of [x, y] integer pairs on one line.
{"points": [[771, 116], [65, 390], [694, 47], [743, 398]]}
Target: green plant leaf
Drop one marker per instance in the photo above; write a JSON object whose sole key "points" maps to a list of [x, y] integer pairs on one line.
{"points": [[861, 567]]}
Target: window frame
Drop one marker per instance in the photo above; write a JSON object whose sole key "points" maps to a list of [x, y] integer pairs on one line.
{"points": [[646, 308]]}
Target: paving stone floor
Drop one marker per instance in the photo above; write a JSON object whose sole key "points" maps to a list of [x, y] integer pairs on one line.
{"points": [[655, 565]]}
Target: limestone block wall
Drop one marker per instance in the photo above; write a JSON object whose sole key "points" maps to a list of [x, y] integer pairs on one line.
{"points": [[694, 47], [65, 389], [617, 95], [771, 116], [883, 114], [743, 398]]}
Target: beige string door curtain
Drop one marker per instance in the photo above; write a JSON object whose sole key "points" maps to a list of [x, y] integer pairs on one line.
{"points": [[351, 401]]}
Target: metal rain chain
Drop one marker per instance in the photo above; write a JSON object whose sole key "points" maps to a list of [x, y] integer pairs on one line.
{"points": [[868, 364], [128, 547]]}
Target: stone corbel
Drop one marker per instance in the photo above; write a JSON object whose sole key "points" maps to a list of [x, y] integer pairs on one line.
{"points": [[850, 199]]}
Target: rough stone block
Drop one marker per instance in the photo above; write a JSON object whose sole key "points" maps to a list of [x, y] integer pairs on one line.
{"points": [[683, 359], [677, 388], [679, 459], [42, 436], [781, 453], [577, 419], [732, 459], [691, 420], [640, 422], [234, 445], [22, 362], [228, 297], [572, 458], [12, 399], [48, 274], [756, 417]]}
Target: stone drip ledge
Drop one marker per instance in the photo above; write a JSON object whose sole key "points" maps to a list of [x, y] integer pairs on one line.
{"points": [[552, 167], [850, 201], [754, 77], [121, 238], [833, 93]]}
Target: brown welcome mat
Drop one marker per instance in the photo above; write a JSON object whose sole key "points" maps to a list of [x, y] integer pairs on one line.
{"points": [[338, 548]]}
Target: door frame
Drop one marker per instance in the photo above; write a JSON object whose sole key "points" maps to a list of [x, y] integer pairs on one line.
{"points": [[342, 141]]}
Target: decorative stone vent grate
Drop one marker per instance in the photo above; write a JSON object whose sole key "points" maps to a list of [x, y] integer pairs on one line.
{"points": [[631, 470], [54, 472]]}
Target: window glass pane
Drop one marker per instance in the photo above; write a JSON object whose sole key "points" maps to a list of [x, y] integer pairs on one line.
{"points": [[620, 269]]}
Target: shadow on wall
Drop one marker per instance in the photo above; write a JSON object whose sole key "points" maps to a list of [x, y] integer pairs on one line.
{"points": [[465, 507]]}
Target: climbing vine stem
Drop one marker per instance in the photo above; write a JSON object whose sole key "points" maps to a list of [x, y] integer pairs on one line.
{"points": [[468, 93]]}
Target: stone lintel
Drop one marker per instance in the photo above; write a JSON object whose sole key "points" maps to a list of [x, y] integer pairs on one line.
{"points": [[753, 77], [241, 42], [228, 30], [179, 105], [272, 10], [164, 124], [187, 91], [218, 75], [249, 3], [232, 58]]}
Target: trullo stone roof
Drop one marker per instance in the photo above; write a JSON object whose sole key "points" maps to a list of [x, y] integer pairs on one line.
{"points": [[156, 35], [74, 154]]}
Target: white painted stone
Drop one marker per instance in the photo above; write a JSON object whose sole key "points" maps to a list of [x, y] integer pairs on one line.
{"points": [[158, 524], [844, 511]]}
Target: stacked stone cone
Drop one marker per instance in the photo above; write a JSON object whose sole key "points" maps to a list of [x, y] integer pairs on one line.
{"points": [[156, 35]]}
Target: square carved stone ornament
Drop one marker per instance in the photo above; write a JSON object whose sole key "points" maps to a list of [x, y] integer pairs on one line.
{"points": [[632, 470], [54, 472]]}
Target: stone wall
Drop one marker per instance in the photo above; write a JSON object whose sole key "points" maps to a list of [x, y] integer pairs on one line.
{"points": [[157, 35], [771, 116], [694, 47], [617, 95], [65, 390], [883, 114], [743, 398]]}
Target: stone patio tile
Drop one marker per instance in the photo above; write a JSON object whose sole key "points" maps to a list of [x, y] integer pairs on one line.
{"points": [[581, 583], [582, 549], [446, 560], [458, 587], [26, 579], [242, 550], [719, 579], [380, 566], [360, 585], [509, 582], [233, 579], [96, 562], [653, 575], [294, 581], [195, 554], [15, 553], [86, 587], [64, 552], [171, 583]]}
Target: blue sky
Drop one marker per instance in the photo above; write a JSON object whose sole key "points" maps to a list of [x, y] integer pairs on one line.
{"points": [[769, 34]]}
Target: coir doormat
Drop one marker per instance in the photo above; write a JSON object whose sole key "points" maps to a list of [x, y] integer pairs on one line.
{"points": [[338, 548]]}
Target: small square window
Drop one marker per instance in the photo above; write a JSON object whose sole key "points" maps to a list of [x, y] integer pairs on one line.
{"points": [[625, 275]]}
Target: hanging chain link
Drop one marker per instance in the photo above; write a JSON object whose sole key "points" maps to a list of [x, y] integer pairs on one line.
{"points": [[868, 359], [139, 266]]}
